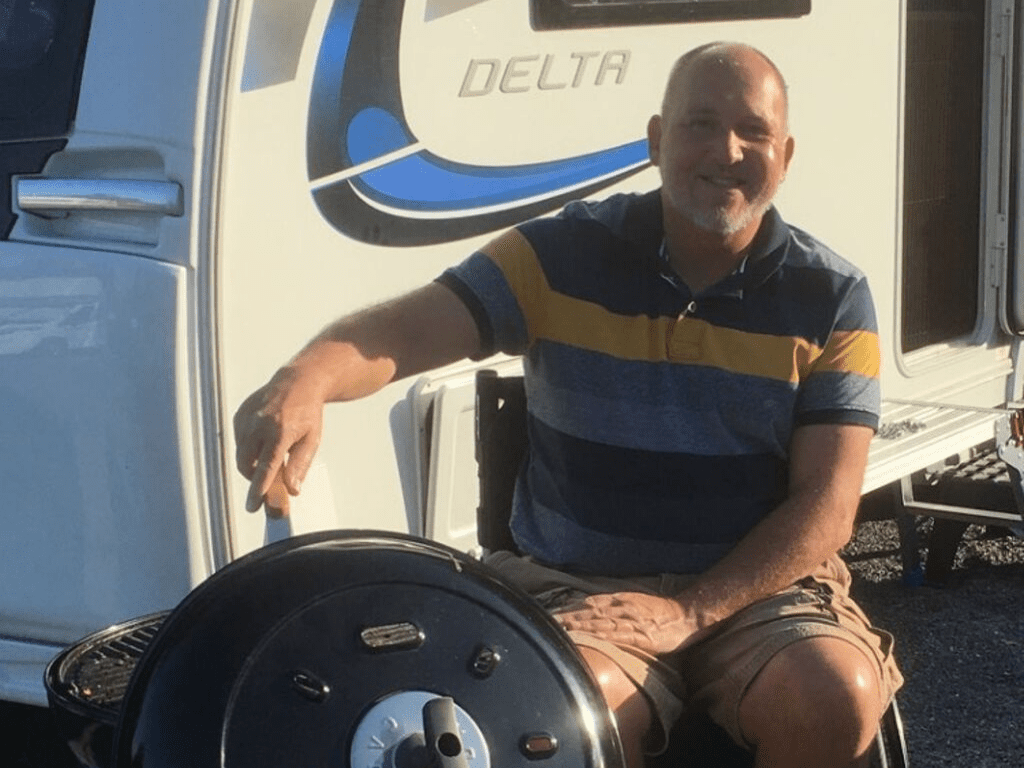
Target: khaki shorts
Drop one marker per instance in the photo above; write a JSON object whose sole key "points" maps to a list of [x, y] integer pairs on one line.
{"points": [[714, 674]]}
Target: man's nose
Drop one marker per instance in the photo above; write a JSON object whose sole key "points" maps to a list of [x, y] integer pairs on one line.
{"points": [[728, 147]]}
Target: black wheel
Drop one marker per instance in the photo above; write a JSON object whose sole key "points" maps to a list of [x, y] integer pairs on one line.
{"points": [[891, 743]]}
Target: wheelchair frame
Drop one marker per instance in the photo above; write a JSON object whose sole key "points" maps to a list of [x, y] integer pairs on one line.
{"points": [[501, 444]]}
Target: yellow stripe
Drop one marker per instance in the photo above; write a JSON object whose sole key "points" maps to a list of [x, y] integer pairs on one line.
{"points": [[582, 324], [852, 352], [563, 319], [783, 358], [518, 261]]}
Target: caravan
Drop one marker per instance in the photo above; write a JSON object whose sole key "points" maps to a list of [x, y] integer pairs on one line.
{"points": [[192, 189]]}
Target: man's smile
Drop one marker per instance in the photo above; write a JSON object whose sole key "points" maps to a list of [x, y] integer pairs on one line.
{"points": [[722, 182]]}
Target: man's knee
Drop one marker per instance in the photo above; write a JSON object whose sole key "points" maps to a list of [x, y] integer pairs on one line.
{"points": [[633, 713], [620, 692], [821, 693]]}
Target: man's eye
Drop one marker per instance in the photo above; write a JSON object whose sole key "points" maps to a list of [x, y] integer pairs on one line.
{"points": [[756, 132], [702, 124]]}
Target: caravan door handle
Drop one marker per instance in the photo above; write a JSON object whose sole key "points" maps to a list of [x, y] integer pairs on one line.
{"points": [[53, 198]]}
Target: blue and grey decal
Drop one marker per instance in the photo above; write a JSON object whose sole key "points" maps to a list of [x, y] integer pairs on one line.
{"points": [[374, 181]]}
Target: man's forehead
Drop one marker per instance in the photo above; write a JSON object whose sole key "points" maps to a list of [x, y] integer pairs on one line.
{"points": [[722, 69], [735, 57], [725, 78]]}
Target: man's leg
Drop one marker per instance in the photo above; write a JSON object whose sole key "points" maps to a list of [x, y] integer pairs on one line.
{"points": [[815, 703], [644, 694], [633, 713]]}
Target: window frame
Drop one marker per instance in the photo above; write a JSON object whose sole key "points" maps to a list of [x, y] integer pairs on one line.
{"points": [[581, 14]]}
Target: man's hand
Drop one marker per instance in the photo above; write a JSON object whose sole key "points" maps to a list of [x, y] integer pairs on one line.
{"points": [[277, 432], [658, 625], [278, 427]]}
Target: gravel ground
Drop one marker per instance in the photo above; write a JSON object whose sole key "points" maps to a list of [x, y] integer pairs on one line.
{"points": [[961, 648]]}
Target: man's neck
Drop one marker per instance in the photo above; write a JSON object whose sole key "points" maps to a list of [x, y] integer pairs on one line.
{"points": [[702, 258]]}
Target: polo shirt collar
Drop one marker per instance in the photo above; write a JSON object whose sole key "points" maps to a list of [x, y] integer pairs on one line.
{"points": [[645, 228], [769, 248], [766, 255]]}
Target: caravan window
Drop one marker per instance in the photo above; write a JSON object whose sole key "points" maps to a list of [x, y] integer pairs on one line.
{"points": [[41, 46], [42, 43], [571, 14], [944, 119]]}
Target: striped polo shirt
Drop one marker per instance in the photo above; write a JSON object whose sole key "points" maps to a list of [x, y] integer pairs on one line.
{"points": [[659, 421]]}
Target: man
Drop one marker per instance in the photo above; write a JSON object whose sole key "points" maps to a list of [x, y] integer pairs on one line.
{"points": [[703, 388]]}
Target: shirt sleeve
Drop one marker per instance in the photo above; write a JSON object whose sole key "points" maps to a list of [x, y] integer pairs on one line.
{"points": [[501, 285], [843, 384]]}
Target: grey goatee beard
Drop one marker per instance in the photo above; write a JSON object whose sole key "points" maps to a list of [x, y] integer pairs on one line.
{"points": [[721, 222]]}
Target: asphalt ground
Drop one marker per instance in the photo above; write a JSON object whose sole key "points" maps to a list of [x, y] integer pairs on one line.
{"points": [[960, 645]]}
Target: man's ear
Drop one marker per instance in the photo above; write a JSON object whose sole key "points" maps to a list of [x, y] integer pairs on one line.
{"points": [[790, 146], [654, 138]]}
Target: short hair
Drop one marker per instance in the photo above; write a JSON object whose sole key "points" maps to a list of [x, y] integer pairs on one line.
{"points": [[688, 59]]}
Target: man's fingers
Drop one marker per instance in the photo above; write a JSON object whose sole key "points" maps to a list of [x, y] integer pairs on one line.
{"points": [[255, 497], [300, 459], [277, 475], [247, 451], [265, 473], [276, 500], [248, 444], [655, 624], [610, 629], [275, 442]]}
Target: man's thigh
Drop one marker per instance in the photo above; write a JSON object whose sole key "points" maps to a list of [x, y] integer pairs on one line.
{"points": [[720, 670], [714, 674]]}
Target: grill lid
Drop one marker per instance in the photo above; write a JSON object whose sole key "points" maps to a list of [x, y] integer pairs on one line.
{"points": [[288, 656]]}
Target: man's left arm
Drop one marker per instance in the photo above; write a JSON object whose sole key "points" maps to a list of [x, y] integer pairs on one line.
{"points": [[827, 464]]}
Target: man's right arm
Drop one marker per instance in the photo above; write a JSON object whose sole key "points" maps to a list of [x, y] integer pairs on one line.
{"points": [[278, 427]]}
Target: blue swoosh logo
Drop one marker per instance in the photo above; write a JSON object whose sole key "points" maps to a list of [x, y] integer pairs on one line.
{"points": [[374, 182]]}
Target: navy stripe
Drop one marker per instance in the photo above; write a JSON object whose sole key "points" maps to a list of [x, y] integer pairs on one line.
{"points": [[658, 406], [585, 260], [588, 551], [501, 324], [821, 391], [653, 495], [476, 309], [839, 416]]}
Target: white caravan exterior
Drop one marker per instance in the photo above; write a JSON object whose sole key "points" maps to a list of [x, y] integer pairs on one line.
{"points": [[192, 189]]}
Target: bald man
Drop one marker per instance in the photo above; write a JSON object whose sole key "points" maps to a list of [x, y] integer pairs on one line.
{"points": [[702, 382]]}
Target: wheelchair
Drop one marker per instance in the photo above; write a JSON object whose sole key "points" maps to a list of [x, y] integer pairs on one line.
{"points": [[364, 649], [501, 446]]}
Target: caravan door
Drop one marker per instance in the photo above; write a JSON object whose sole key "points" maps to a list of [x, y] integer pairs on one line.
{"points": [[99, 321], [1009, 241], [950, 362]]}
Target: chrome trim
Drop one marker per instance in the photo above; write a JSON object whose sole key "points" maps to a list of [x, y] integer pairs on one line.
{"points": [[41, 195]]}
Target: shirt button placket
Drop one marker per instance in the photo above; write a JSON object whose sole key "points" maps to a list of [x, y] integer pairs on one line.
{"points": [[686, 335]]}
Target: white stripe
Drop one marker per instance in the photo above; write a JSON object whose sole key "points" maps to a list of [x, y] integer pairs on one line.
{"points": [[467, 212], [377, 162]]}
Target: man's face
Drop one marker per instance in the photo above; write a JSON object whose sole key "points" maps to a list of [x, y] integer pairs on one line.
{"points": [[722, 143]]}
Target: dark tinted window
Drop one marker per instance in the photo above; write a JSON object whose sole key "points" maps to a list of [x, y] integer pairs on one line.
{"points": [[568, 14], [944, 104], [42, 43]]}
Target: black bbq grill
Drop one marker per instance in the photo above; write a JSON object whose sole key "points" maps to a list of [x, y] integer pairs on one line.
{"points": [[87, 682]]}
